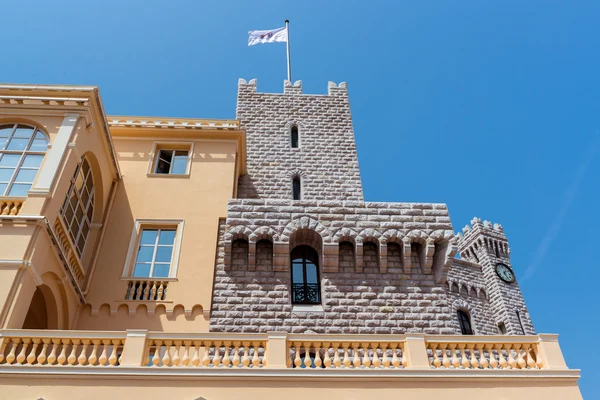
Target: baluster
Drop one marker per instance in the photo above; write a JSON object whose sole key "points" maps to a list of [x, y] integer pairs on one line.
{"points": [[326, 360], [246, 357], [146, 290], [217, 357], [336, 355], [520, 360], [511, 360], [404, 356], [176, 359], [455, 362], [186, 353], [307, 361], [156, 356], [104, 355], [255, 357], [483, 362], [161, 291], [52, 356], [474, 362], [196, 357], [31, 356], [264, 359], [445, 360], [3, 347], [530, 360], [226, 359], [355, 356], [346, 360], [318, 361], [83, 355], [376, 361], [436, 360], [166, 360], [464, 360], [297, 359], [502, 360], [23, 353], [493, 359], [206, 358], [112, 360], [236, 354], [42, 356], [73, 355], [395, 359], [11, 355], [62, 357], [385, 361], [153, 290], [538, 359], [366, 360]]}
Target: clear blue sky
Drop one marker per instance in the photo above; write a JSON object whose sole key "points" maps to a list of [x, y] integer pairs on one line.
{"points": [[490, 107]]}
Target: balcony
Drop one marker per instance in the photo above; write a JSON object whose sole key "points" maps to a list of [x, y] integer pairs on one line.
{"points": [[146, 364]]}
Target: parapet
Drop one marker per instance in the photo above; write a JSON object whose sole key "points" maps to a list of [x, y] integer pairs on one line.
{"points": [[484, 233], [333, 89]]}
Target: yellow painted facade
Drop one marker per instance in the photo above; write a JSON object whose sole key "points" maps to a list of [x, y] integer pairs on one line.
{"points": [[70, 327]]}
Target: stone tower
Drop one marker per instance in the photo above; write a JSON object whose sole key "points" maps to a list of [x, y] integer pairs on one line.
{"points": [[325, 159], [487, 245]]}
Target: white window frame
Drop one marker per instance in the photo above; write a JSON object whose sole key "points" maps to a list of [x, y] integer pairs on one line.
{"points": [[176, 146], [23, 153], [138, 226]]}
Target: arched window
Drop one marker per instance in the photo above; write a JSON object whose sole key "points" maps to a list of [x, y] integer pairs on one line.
{"points": [[306, 286], [294, 137], [465, 322], [22, 149], [296, 188], [78, 208]]}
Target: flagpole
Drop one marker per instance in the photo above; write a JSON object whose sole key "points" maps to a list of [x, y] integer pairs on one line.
{"points": [[287, 45]]}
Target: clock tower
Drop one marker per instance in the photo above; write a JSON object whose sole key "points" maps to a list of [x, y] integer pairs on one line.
{"points": [[487, 245]]}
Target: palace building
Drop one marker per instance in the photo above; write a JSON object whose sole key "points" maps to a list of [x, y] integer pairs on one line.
{"points": [[150, 257]]}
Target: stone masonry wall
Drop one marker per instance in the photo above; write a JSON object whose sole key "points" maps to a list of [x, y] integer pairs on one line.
{"points": [[326, 160], [359, 295]]}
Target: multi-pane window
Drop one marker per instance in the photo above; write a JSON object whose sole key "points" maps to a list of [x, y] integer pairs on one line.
{"points": [[465, 322], [78, 208], [155, 253], [171, 162], [22, 149], [306, 288]]}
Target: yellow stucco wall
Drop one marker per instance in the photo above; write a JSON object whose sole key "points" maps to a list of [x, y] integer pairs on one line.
{"points": [[199, 199]]}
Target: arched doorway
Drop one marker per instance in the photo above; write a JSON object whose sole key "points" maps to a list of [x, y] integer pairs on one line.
{"points": [[42, 313]]}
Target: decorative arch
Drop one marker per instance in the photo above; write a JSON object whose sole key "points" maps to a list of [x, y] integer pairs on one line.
{"points": [[291, 174], [238, 232], [308, 223], [265, 233], [392, 235]]}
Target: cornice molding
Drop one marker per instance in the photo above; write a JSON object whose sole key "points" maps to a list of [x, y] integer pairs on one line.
{"points": [[181, 123]]}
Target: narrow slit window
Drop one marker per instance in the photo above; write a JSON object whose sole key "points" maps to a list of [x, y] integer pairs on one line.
{"points": [[294, 137], [296, 188], [465, 322]]}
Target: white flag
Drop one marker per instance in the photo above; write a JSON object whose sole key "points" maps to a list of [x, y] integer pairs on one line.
{"points": [[271, 36]]}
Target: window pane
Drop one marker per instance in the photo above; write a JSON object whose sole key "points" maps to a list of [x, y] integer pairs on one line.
{"points": [[79, 214], [141, 270], [40, 135], [161, 270], [163, 253], [33, 161], [39, 145], [90, 212], [6, 174], [149, 236], [89, 183], [85, 230], [17, 144], [85, 167], [18, 189], [311, 273], [78, 182], [5, 130], [180, 162], [297, 276], [3, 142], [10, 160], [69, 213], [81, 244], [23, 132], [163, 164], [84, 197], [145, 254], [26, 175], [3, 187], [167, 236]]}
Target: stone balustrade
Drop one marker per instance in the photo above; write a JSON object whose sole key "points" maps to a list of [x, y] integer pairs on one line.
{"points": [[146, 289], [57, 348], [275, 350], [11, 205]]}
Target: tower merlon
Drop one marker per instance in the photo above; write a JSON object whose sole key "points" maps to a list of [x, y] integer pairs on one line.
{"points": [[333, 89]]}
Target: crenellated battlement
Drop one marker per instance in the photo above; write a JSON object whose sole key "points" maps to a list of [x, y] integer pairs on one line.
{"points": [[333, 89], [480, 236]]}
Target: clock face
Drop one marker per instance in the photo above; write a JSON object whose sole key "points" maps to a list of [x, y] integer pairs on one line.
{"points": [[505, 273]]}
